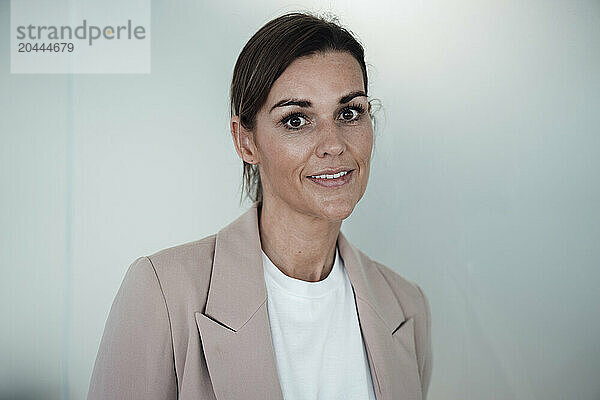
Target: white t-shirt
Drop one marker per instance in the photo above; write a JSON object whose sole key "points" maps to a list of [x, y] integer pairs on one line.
{"points": [[318, 344]]}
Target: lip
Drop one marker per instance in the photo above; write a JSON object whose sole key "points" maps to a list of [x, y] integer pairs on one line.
{"points": [[331, 171], [333, 183]]}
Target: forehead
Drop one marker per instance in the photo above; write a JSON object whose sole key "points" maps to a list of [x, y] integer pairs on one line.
{"points": [[320, 77]]}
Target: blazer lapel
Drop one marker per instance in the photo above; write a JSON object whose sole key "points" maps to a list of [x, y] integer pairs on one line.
{"points": [[235, 330], [388, 335]]}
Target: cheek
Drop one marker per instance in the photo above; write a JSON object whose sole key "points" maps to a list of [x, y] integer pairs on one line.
{"points": [[364, 144], [284, 158]]}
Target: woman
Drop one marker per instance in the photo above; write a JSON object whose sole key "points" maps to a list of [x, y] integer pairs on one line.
{"points": [[278, 304]]}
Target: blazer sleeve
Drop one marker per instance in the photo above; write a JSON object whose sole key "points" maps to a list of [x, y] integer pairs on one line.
{"points": [[135, 359], [426, 349]]}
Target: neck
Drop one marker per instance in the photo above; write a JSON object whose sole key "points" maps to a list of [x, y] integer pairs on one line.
{"points": [[302, 246]]}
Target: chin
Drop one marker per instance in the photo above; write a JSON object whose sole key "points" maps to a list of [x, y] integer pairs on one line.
{"points": [[337, 210]]}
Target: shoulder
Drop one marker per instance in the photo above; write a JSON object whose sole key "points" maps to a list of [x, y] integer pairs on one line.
{"points": [[182, 272], [186, 252], [190, 257]]}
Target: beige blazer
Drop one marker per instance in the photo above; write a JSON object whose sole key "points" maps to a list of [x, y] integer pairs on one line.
{"points": [[190, 322]]}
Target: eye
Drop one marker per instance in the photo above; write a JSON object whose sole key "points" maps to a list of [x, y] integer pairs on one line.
{"points": [[352, 112], [294, 121]]}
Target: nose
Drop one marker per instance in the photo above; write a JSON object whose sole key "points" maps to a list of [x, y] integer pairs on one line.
{"points": [[330, 139]]}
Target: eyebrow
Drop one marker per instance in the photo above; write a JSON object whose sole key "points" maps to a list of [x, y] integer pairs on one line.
{"points": [[307, 103]]}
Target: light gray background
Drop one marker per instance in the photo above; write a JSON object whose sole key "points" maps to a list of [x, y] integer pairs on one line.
{"points": [[484, 184]]}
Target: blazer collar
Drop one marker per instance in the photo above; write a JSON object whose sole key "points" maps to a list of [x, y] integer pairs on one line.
{"points": [[235, 330], [238, 264]]}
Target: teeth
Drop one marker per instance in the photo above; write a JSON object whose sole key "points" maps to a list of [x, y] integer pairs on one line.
{"points": [[330, 176]]}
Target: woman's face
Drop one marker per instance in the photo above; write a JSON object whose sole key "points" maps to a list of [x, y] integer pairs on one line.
{"points": [[316, 118]]}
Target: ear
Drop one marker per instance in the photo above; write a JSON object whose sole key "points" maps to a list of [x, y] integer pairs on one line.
{"points": [[243, 141]]}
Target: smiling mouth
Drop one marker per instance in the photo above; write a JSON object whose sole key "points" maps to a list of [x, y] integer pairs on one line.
{"points": [[334, 180]]}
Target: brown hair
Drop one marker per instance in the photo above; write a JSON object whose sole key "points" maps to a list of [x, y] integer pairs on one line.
{"points": [[264, 58]]}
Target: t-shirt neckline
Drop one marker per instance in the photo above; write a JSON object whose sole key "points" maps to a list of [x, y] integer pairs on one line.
{"points": [[301, 288]]}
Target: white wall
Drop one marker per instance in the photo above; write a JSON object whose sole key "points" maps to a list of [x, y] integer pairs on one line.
{"points": [[484, 184]]}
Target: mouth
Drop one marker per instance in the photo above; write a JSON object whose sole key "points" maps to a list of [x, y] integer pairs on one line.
{"points": [[334, 180]]}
